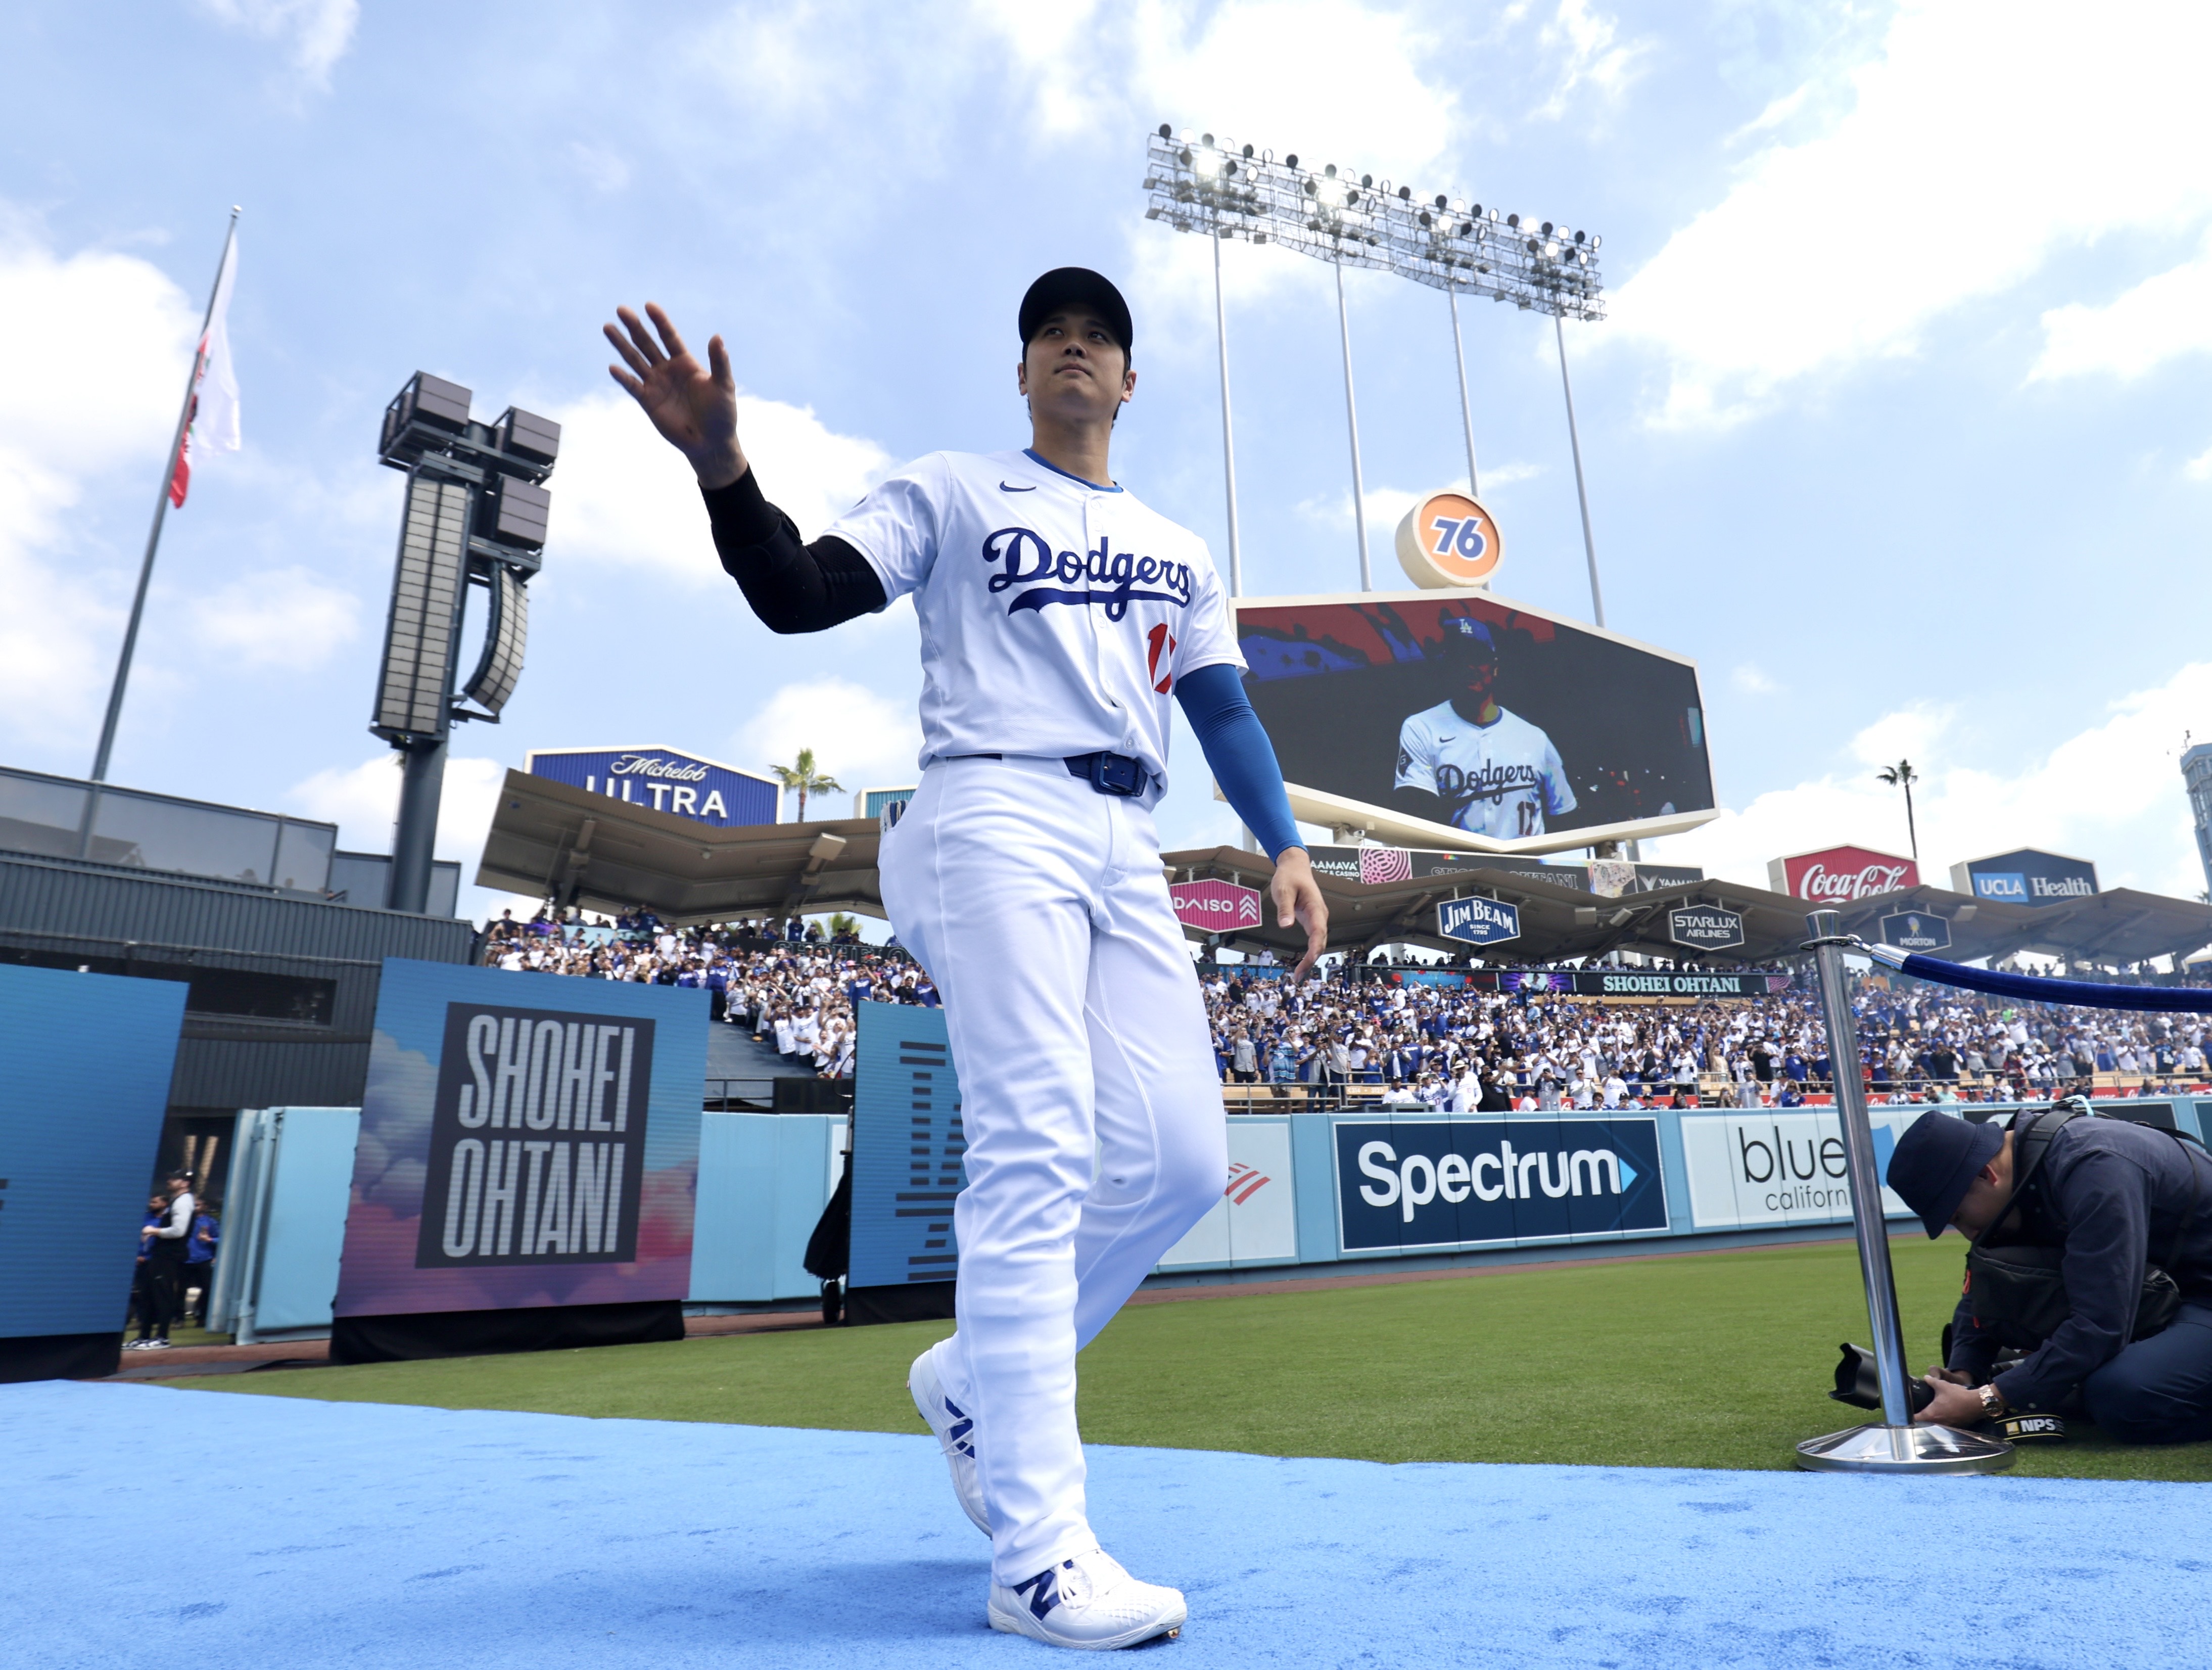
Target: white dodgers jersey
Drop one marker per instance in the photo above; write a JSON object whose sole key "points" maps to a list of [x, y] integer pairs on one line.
{"points": [[1501, 779], [1056, 614]]}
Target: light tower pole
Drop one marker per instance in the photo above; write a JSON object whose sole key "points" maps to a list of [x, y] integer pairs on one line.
{"points": [[474, 516]]}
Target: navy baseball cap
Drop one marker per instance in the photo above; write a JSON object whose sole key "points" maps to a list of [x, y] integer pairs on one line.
{"points": [[1465, 633], [1066, 287], [1936, 1161]]}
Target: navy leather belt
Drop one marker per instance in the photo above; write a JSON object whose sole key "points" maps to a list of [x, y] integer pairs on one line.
{"points": [[1122, 774]]}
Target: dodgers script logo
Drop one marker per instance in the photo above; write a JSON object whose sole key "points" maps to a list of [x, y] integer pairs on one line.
{"points": [[1112, 579]]}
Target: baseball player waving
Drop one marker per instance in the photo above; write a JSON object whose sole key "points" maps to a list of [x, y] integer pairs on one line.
{"points": [[1059, 617]]}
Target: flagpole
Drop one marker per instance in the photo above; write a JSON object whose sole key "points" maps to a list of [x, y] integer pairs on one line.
{"points": [[160, 509]]}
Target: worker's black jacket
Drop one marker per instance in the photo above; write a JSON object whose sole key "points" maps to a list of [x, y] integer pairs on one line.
{"points": [[2111, 1193]]}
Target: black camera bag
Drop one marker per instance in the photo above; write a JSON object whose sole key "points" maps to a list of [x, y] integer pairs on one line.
{"points": [[2019, 1291]]}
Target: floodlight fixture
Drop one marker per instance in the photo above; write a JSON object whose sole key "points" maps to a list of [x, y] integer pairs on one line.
{"points": [[477, 512], [1447, 245]]}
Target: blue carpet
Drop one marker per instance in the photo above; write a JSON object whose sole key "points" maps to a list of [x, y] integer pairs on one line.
{"points": [[146, 1525]]}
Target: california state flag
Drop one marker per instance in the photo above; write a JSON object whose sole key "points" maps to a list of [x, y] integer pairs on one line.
{"points": [[212, 426]]}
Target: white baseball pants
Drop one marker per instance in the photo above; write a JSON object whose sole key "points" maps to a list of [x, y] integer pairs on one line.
{"points": [[1094, 1129]]}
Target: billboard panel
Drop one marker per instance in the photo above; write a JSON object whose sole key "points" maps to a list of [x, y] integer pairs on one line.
{"points": [[1768, 1169], [664, 779], [1215, 906], [1841, 875], [2025, 877], [1455, 720], [1434, 1183], [89, 1058], [524, 1141], [908, 1148]]}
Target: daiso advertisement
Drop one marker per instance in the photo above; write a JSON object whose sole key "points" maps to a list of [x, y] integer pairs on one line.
{"points": [[1841, 875], [1215, 906]]}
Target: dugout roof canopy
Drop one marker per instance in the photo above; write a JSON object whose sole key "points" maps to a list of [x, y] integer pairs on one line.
{"points": [[555, 840], [2115, 928]]}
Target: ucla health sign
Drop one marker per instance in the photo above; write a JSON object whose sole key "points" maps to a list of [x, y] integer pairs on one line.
{"points": [[1438, 1182], [665, 781], [2025, 877]]}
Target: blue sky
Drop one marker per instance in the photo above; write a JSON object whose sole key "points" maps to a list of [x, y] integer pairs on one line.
{"points": [[1899, 424]]}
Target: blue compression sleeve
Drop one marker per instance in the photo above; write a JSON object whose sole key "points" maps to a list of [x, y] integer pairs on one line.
{"points": [[1236, 747]]}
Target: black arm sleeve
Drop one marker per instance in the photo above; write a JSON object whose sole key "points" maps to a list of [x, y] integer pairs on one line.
{"points": [[791, 587]]}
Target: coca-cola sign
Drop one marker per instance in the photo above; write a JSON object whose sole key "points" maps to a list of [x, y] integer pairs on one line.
{"points": [[1841, 875]]}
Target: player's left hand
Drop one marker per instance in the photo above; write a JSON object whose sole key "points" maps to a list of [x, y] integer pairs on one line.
{"points": [[1297, 899]]}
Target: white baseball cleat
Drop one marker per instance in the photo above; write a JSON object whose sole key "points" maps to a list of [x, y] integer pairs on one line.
{"points": [[955, 1429], [1089, 1603]]}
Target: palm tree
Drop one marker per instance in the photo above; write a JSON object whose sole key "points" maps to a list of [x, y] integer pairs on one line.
{"points": [[801, 775], [1901, 775]]}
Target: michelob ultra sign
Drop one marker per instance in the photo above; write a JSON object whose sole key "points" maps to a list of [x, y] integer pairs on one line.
{"points": [[523, 1141]]}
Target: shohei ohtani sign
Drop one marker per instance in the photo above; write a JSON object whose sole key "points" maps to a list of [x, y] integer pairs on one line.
{"points": [[524, 1141], [1841, 875], [536, 1139]]}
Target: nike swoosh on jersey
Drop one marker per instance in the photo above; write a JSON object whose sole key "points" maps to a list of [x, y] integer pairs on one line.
{"points": [[1008, 487]]}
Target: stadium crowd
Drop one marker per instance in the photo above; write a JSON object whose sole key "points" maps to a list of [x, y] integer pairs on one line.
{"points": [[791, 983], [1424, 1037], [1448, 1046]]}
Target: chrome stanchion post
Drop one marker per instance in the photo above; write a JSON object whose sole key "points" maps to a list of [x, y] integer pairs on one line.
{"points": [[1895, 1444]]}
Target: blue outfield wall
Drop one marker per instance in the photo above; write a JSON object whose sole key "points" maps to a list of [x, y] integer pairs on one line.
{"points": [[1293, 1206], [1725, 1177]]}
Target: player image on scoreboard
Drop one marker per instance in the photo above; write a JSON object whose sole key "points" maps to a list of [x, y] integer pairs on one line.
{"points": [[1457, 710], [1468, 761]]}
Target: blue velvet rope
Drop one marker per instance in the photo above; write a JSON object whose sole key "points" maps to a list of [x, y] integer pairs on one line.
{"points": [[2082, 994]]}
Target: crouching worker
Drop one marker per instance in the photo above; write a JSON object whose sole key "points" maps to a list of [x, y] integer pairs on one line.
{"points": [[2093, 1246]]}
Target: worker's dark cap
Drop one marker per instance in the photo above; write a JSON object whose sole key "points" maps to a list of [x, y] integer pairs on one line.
{"points": [[1070, 287], [1935, 1162]]}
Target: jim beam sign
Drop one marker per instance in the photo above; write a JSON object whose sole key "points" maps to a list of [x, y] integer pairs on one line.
{"points": [[1478, 921], [1704, 927], [536, 1139], [1841, 875]]}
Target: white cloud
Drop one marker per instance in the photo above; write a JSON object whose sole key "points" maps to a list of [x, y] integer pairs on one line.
{"points": [[1753, 681], [1984, 138], [287, 618], [2158, 319], [2199, 469], [626, 497], [1496, 476], [862, 738], [2111, 794], [363, 800], [316, 34], [600, 169], [1596, 60], [91, 390]]}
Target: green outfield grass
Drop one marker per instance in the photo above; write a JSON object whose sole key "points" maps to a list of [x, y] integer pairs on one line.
{"points": [[1719, 1360]]}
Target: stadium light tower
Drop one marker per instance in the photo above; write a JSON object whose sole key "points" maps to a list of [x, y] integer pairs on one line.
{"points": [[1223, 190], [476, 516]]}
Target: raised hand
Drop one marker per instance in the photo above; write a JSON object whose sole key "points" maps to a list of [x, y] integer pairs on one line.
{"points": [[695, 407]]}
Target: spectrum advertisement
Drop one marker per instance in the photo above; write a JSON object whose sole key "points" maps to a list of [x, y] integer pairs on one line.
{"points": [[524, 1141], [1443, 1182]]}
